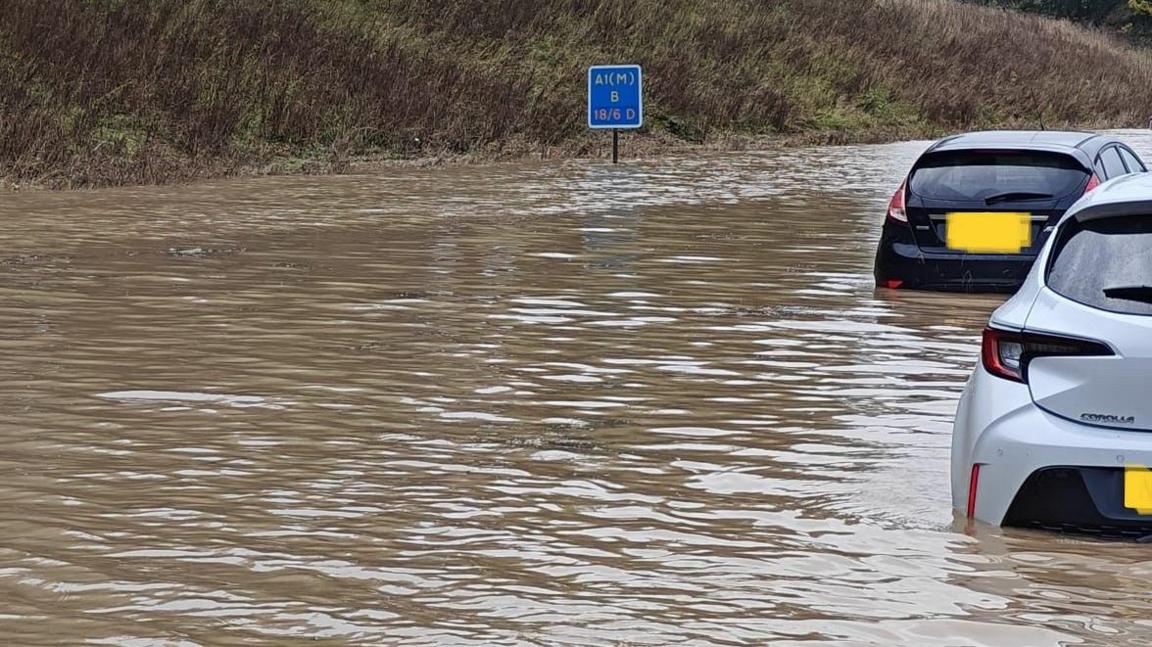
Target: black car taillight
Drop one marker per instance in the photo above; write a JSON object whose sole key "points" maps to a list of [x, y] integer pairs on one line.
{"points": [[1006, 354], [896, 206]]}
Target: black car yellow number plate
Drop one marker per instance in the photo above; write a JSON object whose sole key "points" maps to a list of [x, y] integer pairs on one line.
{"points": [[989, 232]]}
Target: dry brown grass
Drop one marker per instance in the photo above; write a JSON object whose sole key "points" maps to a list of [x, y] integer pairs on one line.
{"points": [[100, 92], [962, 65]]}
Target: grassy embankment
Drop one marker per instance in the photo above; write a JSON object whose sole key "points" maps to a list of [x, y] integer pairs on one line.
{"points": [[99, 92]]}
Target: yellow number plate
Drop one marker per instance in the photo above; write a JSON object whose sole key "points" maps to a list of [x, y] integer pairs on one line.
{"points": [[1138, 488], [989, 233]]}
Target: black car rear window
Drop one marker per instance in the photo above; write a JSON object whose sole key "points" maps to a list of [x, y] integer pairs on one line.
{"points": [[1105, 264], [976, 175]]}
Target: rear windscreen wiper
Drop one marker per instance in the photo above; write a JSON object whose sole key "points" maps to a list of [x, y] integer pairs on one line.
{"points": [[1130, 293], [1016, 196]]}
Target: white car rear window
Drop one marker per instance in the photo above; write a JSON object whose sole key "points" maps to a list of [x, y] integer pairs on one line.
{"points": [[1106, 264]]}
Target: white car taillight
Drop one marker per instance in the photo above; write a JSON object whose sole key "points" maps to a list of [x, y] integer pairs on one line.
{"points": [[1006, 354]]}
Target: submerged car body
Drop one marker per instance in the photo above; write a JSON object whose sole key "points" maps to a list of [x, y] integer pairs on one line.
{"points": [[1054, 429], [1009, 188]]}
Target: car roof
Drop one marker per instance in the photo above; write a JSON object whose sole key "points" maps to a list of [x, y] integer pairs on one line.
{"points": [[1127, 195], [1057, 141]]}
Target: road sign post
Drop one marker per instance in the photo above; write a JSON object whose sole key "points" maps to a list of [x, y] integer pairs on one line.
{"points": [[615, 100]]}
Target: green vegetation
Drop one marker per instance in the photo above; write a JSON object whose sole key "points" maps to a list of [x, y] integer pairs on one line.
{"points": [[1129, 18], [1094, 11], [100, 92]]}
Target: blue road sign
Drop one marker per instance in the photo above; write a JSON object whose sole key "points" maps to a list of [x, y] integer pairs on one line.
{"points": [[615, 96]]}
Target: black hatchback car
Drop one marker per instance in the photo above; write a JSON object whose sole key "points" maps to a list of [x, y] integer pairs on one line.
{"points": [[976, 208]]}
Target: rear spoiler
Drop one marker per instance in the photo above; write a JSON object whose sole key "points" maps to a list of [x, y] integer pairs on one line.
{"points": [[1114, 210], [1079, 156]]}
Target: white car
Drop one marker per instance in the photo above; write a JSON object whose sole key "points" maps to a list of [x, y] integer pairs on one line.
{"points": [[1054, 429]]}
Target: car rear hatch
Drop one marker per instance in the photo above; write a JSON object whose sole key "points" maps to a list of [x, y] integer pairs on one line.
{"points": [[999, 191], [1099, 286]]}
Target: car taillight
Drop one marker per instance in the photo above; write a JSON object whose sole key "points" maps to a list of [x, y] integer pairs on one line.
{"points": [[1006, 354], [896, 204], [1093, 182]]}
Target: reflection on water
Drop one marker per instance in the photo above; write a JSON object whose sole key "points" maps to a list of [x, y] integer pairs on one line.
{"points": [[540, 403]]}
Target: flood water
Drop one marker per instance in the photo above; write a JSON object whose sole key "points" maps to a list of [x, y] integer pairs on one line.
{"points": [[542, 403]]}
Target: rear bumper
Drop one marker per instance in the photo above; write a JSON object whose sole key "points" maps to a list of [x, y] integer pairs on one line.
{"points": [[898, 258], [1040, 470]]}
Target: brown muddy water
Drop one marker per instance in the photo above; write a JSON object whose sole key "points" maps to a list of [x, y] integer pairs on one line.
{"points": [[551, 403]]}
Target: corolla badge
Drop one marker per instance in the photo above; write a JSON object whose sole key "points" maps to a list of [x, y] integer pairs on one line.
{"points": [[1105, 418]]}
